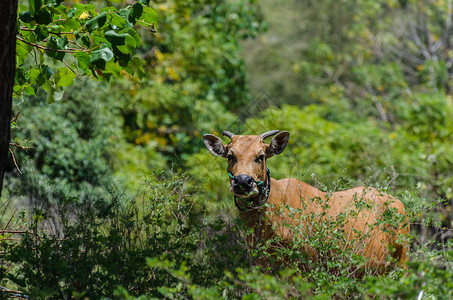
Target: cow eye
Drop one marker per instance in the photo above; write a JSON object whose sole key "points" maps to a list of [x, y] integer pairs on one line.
{"points": [[260, 158]]}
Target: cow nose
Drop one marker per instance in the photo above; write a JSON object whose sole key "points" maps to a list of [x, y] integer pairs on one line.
{"points": [[243, 180]]}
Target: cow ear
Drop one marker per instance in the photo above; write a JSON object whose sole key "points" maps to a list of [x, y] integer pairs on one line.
{"points": [[214, 145], [278, 144]]}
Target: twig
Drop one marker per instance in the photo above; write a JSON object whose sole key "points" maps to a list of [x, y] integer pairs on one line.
{"points": [[56, 33], [69, 67], [15, 231], [13, 293], [17, 117], [10, 219], [23, 28], [72, 42], [14, 160], [20, 146], [377, 103], [70, 50]]}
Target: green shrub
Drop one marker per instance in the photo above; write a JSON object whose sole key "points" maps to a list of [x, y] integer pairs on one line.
{"points": [[164, 244], [87, 247], [77, 146], [430, 276]]}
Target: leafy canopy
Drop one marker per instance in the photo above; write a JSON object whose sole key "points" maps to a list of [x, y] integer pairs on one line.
{"points": [[79, 40]]}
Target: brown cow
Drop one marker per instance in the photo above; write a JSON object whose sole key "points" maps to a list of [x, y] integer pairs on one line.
{"points": [[252, 186]]}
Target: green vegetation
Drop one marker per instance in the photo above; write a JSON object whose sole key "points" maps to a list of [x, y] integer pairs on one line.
{"points": [[120, 199], [79, 39]]}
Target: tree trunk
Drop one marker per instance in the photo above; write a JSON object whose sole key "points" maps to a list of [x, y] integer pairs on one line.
{"points": [[8, 16]]}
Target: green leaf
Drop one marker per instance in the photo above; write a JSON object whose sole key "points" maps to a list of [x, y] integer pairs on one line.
{"points": [[29, 35], [64, 77], [121, 57], [21, 76], [130, 42], [46, 70], [41, 33], [90, 7], [53, 3], [86, 41], [135, 35], [22, 51], [30, 90], [125, 14], [26, 16], [148, 17], [17, 88], [116, 38], [59, 10], [144, 2], [98, 39], [72, 12], [34, 74], [70, 24], [109, 9], [55, 94], [135, 12], [34, 6], [137, 66], [57, 44], [83, 61], [113, 68], [101, 56], [79, 6], [117, 20], [39, 76], [97, 22], [44, 74], [130, 45], [43, 17], [22, 7]]}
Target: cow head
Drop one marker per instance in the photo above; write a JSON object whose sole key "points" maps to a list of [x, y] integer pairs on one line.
{"points": [[247, 156]]}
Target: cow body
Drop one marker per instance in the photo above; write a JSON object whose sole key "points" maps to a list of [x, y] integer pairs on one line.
{"points": [[290, 201]]}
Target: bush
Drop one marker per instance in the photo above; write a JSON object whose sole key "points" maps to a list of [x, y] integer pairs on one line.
{"points": [[164, 244], [89, 247], [430, 276], [77, 147]]}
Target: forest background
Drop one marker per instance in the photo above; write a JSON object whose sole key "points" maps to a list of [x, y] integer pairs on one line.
{"points": [[117, 171]]}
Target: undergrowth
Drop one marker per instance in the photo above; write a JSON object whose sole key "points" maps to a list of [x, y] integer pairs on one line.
{"points": [[162, 243]]}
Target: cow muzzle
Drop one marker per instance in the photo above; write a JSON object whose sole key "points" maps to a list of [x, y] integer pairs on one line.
{"points": [[244, 186]]}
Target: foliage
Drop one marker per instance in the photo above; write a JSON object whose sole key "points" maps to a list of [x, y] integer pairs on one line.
{"points": [[80, 41], [370, 56], [377, 74], [414, 153], [76, 146], [161, 245], [333, 264], [431, 276], [195, 78], [160, 117], [103, 242]]}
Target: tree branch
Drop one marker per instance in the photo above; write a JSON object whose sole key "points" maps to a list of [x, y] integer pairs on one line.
{"points": [[70, 50], [13, 293], [23, 28], [14, 160]]}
